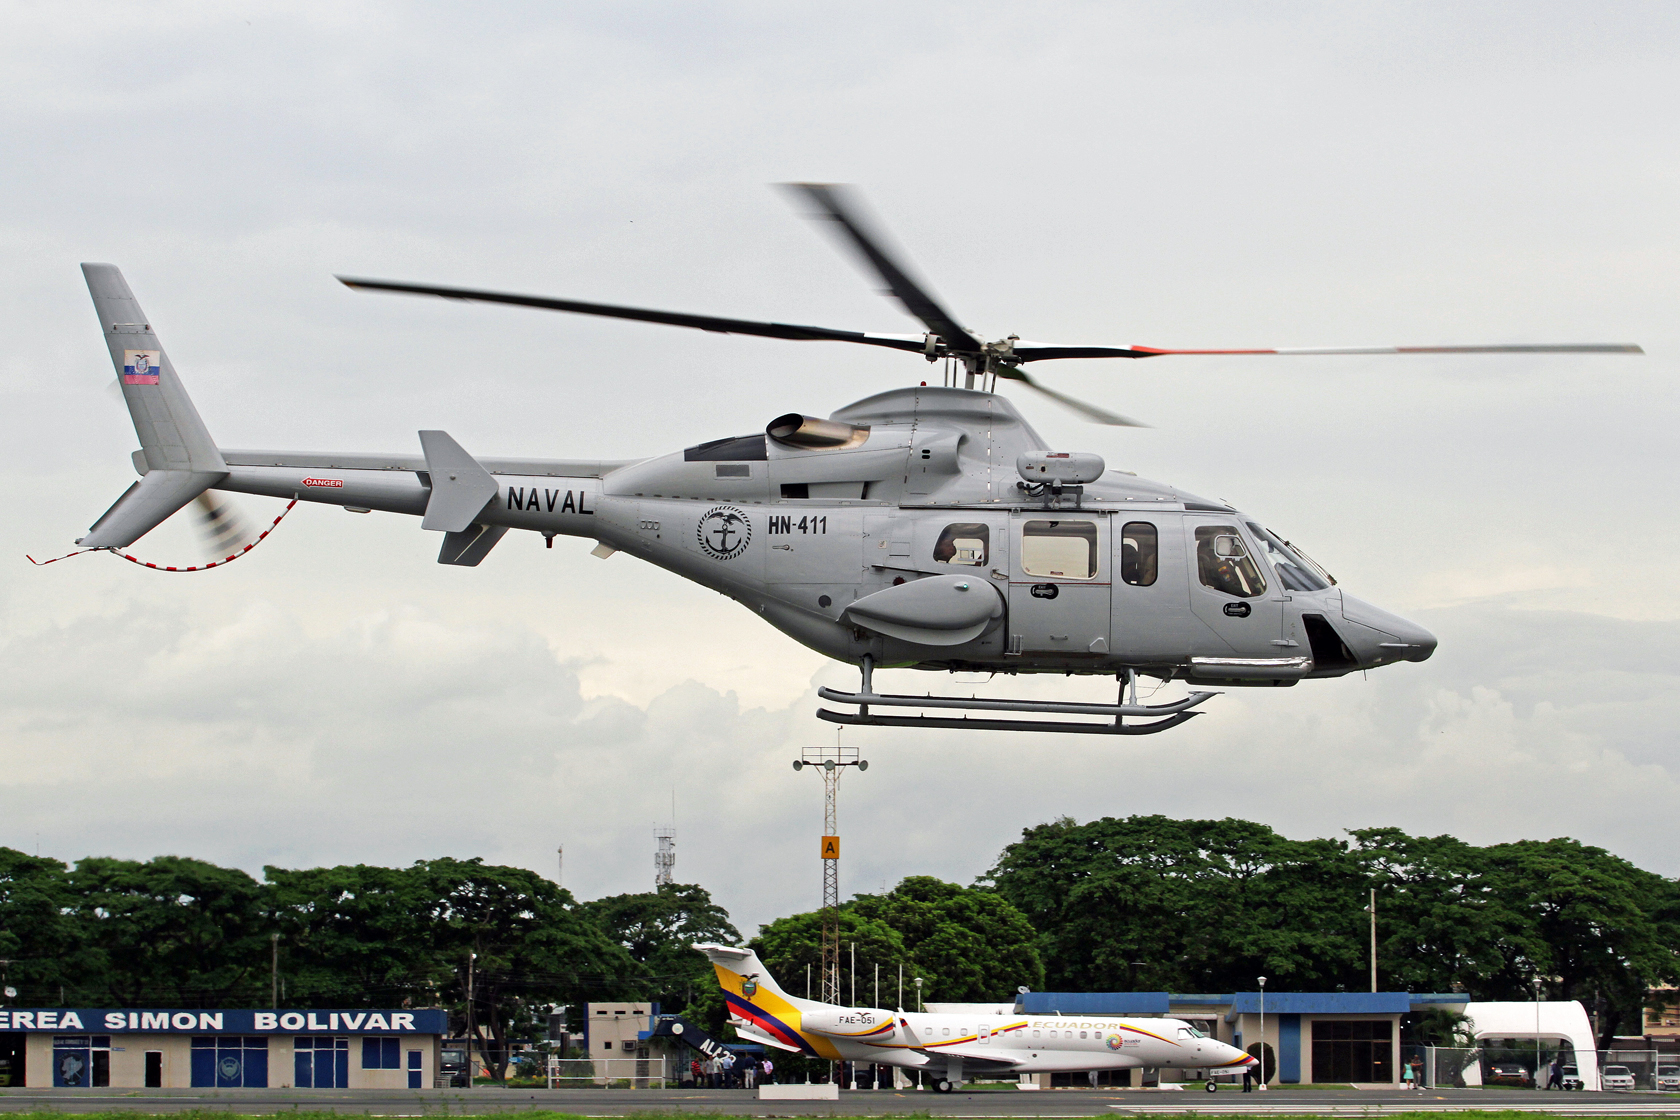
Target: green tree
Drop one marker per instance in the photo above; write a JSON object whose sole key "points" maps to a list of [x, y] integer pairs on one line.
{"points": [[516, 940], [37, 936], [1603, 930], [1200, 905], [658, 930], [169, 932], [356, 936], [968, 944]]}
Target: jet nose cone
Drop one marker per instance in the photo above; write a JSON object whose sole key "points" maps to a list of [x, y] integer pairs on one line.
{"points": [[1378, 636]]}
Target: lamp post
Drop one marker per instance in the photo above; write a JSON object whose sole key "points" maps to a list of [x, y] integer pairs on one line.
{"points": [[1262, 1033], [917, 980], [1537, 1030], [1372, 910], [472, 1027], [274, 972]]}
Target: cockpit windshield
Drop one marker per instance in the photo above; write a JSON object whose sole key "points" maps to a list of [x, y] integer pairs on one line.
{"points": [[1295, 570]]}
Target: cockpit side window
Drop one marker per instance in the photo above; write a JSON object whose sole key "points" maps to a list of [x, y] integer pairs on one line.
{"points": [[1062, 549], [1140, 553], [1294, 570], [963, 543], [736, 449], [1223, 562]]}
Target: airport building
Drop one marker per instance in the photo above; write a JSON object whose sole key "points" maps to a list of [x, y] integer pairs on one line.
{"points": [[1310, 1037], [121, 1048]]}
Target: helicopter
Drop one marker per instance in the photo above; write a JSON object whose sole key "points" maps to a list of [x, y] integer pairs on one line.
{"points": [[927, 526]]}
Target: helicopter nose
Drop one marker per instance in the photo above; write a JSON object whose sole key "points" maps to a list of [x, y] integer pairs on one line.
{"points": [[1378, 636]]}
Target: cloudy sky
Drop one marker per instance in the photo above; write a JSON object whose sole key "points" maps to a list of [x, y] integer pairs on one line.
{"points": [[1171, 174]]}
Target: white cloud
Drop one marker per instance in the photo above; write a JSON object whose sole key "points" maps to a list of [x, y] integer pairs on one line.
{"points": [[1153, 173]]}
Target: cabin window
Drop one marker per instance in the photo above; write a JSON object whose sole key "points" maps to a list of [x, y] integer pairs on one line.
{"points": [[1035, 1034], [1223, 562], [1140, 553], [963, 543], [1061, 549], [945, 1031]]}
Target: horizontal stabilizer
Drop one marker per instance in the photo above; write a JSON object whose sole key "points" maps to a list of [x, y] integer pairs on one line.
{"points": [[146, 505], [470, 545]]}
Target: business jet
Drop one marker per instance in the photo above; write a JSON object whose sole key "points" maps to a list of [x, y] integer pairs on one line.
{"points": [[953, 1047]]}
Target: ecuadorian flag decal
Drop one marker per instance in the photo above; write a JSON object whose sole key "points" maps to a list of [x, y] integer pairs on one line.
{"points": [[140, 367]]}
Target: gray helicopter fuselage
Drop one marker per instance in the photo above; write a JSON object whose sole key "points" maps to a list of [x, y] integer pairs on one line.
{"points": [[913, 544]]}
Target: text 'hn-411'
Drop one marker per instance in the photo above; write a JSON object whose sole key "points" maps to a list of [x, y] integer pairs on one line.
{"points": [[926, 527]]}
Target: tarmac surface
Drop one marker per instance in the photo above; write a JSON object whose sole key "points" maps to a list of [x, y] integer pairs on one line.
{"points": [[1048, 1104]]}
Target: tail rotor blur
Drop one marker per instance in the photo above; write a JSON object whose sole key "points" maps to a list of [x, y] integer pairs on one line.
{"points": [[220, 526]]}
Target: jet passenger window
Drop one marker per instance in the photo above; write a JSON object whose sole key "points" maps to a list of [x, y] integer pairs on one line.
{"points": [[1223, 562], [1063, 549], [963, 543], [1140, 553]]}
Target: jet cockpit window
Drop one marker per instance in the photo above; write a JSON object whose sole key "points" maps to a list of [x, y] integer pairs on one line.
{"points": [[1061, 549], [1140, 553], [1294, 569], [963, 543], [1223, 562]]}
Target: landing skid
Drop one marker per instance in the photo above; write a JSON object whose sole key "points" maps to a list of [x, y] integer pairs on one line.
{"points": [[1161, 716]]}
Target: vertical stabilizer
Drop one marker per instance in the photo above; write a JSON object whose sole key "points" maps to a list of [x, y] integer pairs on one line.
{"points": [[177, 460], [172, 437], [757, 1004]]}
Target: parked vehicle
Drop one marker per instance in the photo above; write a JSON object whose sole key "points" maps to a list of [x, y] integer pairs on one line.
{"points": [[1668, 1079], [1617, 1077], [1508, 1073], [1572, 1078], [453, 1067]]}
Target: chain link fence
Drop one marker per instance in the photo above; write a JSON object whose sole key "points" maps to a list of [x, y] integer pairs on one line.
{"points": [[1515, 1066]]}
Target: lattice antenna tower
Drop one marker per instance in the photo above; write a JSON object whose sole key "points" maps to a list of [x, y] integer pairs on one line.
{"points": [[830, 762], [664, 856]]}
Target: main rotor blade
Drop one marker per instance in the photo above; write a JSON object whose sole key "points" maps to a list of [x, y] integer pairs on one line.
{"points": [[1040, 352], [673, 318], [1084, 408], [831, 198]]}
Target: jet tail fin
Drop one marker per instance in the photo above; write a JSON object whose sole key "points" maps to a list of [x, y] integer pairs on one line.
{"points": [[740, 969]]}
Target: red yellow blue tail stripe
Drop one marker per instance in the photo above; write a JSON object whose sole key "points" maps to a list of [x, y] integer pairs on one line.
{"points": [[767, 1023]]}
